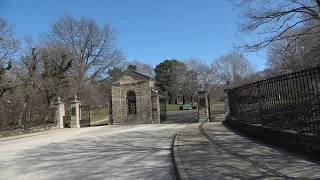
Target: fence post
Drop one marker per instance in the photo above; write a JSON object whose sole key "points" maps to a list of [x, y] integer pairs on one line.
{"points": [[260, 105], [60, 113], [209, 110], [110, 111], [75, 113]]}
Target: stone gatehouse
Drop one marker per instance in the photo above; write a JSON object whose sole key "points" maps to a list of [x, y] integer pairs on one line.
{"points": [[135, 99]]}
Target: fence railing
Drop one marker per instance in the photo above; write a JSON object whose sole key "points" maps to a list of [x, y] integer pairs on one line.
{"points": [[27, 119], [289, 102]]}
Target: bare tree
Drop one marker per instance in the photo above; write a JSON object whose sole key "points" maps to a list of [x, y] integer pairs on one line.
{"points": [[270, 20], [55, 63], [286, 56], [234, 67], [43, 72], [5, 85], [143, 68], [28, 72], [9, 45], [206, 74], [115, 72], [185, 84], [93, 48]]}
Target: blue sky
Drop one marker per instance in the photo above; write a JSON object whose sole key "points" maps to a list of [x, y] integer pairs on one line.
{"points": [[148, 30]]}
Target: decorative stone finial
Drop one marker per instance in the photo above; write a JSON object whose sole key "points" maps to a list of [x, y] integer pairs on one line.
{"points": [[75, 97], [59, 99], [228, 83]]}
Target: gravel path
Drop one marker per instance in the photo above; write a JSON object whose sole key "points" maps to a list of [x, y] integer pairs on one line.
{"points": [[105, 152]]}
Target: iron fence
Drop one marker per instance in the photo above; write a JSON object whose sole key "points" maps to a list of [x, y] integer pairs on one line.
{"points": [[85, 115], [26, 119], [289, 102]]}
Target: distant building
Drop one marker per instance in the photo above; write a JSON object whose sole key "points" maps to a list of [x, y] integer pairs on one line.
{"points": [[136, 100]]}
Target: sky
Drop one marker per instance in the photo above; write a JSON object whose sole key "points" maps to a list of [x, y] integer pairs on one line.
{"points": [[149, 31]]}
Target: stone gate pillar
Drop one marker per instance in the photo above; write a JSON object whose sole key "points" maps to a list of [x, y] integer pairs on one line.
{"points": [[203, 106], [75, 113], [155, 109], [226, 101], [163, 109], [226, 98], [60, 113]]}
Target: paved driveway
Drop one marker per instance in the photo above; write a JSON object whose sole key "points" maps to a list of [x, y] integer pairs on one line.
{"points": [[105, 152], [182, 117]]}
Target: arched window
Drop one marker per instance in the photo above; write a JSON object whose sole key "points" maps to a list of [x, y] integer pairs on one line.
{"points": [[131, 100]]}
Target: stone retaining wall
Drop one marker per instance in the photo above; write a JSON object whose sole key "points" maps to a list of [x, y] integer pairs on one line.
{"points": [[28, 131], [307, 143]]}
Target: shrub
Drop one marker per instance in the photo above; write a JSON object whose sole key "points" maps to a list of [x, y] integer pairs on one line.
{"points": [[194, 107], [180, 108]]}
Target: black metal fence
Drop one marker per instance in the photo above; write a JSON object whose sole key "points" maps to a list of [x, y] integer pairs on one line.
{"points": [[85, 115], [26, 120], [289, 102]]}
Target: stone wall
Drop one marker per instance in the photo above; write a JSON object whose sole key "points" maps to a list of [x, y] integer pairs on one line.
{"points": [[292, 140], [143, 101]]}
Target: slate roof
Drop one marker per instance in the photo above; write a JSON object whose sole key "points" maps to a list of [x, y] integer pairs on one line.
{"points": [[135, 72]]}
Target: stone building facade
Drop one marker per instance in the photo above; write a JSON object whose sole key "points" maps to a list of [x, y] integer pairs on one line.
{"points": [[134, 100]]}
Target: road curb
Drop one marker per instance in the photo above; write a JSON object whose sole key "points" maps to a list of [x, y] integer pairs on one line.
{"points": [[178, 167]]}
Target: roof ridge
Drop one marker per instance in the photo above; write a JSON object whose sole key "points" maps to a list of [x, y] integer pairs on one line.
{"points": [[133, 71]]}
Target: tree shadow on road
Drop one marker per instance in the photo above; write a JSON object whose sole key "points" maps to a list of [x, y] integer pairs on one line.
{"points": [[130, 155], [236, 157], [275, 147]]}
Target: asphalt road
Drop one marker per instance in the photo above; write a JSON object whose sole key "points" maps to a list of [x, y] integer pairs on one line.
{"points": [[191, 116], [104, 152], [182, 117]]}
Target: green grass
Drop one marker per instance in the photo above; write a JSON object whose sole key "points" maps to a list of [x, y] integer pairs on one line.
{"points": [[173, 107], [99, 114], [220, 105]]}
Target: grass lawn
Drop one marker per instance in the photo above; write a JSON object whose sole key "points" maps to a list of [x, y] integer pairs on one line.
{"points": [[173, 107], [220, 105], [99, 114]]}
